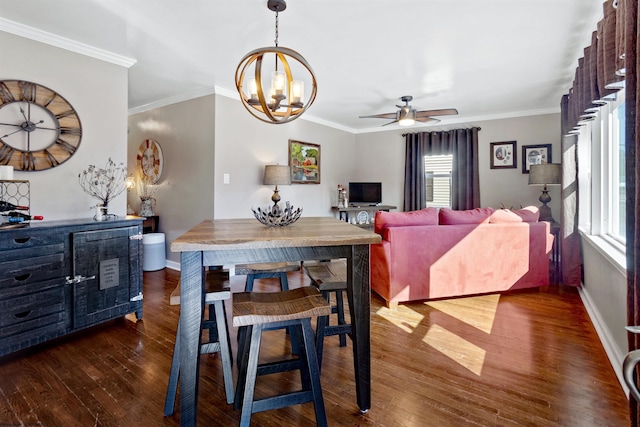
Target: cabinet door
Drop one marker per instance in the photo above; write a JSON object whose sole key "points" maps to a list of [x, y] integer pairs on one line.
{"points": [[105, 264]]}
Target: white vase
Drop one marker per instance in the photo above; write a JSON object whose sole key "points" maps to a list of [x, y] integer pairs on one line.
{"points": [[102, 212]]}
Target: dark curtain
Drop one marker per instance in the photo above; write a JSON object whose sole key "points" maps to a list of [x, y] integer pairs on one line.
{"points": [[630, 28], [616, 60], [463, 145]]}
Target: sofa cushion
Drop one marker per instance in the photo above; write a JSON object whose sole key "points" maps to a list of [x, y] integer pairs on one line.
{"points": [[471, 216], [426, 216], [528, 214]]}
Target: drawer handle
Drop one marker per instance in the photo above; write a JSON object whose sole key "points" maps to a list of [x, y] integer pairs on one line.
{"points": [[22, 277], [79, 278], [22, 240], [23, 314]]}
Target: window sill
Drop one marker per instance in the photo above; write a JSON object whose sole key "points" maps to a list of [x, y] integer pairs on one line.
{"points": [[607, 249]]}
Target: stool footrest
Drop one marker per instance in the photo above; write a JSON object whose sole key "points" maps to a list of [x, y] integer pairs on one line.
{"points": [[337, 330], [281, 366], [210, 347], [282, 401]]}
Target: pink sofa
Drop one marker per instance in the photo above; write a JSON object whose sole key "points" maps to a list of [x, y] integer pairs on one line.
{"points": [[442, 253]]}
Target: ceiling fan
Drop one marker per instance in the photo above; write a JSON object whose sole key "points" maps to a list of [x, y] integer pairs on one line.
{"points": [[406, 116]]}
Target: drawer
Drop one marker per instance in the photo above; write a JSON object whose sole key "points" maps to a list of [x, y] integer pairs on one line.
{"points": [[12, 288], [32, 332], [32, 269], [25, 312], [31, 252], [26, 238]]}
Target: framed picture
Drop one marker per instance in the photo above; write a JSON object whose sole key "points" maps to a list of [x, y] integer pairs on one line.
{"points": [[503, 155], [304, 162], [535, 154]]}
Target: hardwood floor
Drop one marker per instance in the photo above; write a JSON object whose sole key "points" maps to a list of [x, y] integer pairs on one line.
{"points": [[527, 358]]}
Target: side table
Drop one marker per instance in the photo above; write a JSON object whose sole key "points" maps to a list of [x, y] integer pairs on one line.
{"points": [[150, 224]]}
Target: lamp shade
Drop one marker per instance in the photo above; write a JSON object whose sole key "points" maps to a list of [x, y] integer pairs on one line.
{"points": [[545, 174], [277, 175]]}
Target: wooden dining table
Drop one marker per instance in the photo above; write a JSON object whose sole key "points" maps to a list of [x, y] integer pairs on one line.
{"points": [[227, 242]]}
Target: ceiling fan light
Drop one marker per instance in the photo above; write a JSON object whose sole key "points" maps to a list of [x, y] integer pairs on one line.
{"points": [[406, 117]]}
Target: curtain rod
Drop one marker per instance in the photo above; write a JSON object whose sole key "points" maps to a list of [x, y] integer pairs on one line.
{"points": [[475, 127]]}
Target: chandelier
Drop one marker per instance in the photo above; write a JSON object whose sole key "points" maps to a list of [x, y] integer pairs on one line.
{"points": [[281, 99]]}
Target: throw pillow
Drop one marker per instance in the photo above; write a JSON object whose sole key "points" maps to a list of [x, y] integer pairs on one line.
{"points": [[471, 216], [528, 214], [426, 216]]}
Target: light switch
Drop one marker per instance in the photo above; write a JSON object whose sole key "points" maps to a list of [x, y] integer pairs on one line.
{"points": [[225, 178]]}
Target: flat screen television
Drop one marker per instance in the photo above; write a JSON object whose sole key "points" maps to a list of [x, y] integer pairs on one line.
{"points": [[365, 193]]}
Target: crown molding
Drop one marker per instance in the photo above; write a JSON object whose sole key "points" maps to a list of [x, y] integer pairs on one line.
{"points": [[64, 43], [187, 96]]}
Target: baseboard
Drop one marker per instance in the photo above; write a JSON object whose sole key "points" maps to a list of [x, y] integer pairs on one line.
{"points": [[173, 265], [615, 357]]}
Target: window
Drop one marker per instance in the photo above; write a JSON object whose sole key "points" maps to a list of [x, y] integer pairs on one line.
{"points": [[601, 173], [438, 180]]}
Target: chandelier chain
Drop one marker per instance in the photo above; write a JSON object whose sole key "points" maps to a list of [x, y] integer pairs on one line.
{"points": [[276, 40]]}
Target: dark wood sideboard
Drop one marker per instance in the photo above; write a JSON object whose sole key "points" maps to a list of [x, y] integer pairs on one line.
{"points": [[57, 277]]}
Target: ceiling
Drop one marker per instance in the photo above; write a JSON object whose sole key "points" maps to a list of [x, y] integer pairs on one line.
{"points": [[487, 58]]}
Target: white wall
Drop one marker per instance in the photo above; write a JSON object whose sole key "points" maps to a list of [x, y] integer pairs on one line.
{"points": [[382, 154], [98, 92], [185, 133], [604, 293], [244, 145]]}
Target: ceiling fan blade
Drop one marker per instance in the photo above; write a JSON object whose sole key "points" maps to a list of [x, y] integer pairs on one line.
{"points": [[441, 112], [390, 123], [427, 119], [380, 116]]}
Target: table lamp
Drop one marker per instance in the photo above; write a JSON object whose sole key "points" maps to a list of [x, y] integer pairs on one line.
{"points": [[276, 175], [545, 174]]}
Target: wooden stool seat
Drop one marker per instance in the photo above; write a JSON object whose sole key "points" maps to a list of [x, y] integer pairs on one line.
{"points": [[330, 277], [269, 270], [255, 312], [216, 289], [273, 267], [216, 292], [252, 308]]}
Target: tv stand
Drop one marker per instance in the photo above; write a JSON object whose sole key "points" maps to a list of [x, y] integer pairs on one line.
{"points": [[350, 214]]}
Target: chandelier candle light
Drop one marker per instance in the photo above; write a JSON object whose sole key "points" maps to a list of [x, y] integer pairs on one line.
{"points": [[268, 103]]}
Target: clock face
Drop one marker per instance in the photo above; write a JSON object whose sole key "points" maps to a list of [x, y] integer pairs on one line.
{"points": [[39, 129], [150, 160]]}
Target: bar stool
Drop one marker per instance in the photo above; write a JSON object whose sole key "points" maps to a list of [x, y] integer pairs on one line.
{"points": [[216, 292], [256, 312], [269, 270], [328, 278]]}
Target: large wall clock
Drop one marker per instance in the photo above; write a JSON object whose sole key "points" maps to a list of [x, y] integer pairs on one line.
{"points": [[150, 161], [39, 129]]}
